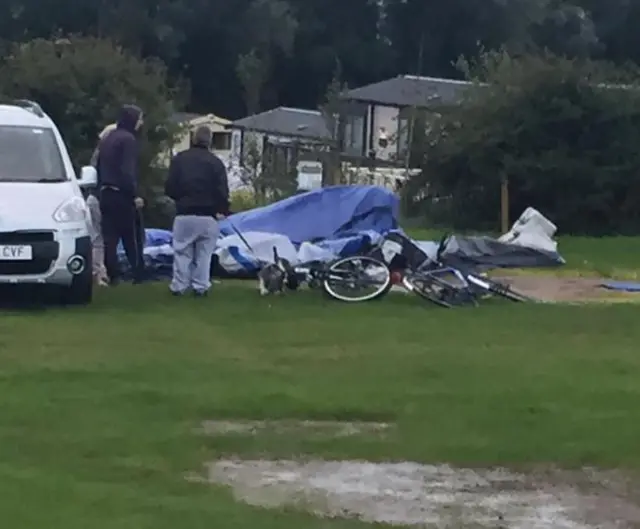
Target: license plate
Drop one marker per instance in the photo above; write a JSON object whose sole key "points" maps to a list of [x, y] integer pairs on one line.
{"points": [[15, 253]]}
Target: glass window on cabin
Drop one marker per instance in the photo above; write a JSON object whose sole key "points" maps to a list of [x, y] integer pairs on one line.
{"points": [[221, 141]]}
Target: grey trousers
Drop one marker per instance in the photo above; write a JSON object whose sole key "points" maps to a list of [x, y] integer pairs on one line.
{"points": [[194, 240]]}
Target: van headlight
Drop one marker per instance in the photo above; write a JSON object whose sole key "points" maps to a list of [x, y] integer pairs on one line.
{"points": [[72, 210]]}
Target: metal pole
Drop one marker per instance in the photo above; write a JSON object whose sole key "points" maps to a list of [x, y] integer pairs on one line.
{"points": [[504, 204], [412, 117]]}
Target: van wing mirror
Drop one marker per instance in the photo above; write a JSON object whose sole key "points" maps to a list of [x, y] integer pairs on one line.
{"points": [[88, 176]]}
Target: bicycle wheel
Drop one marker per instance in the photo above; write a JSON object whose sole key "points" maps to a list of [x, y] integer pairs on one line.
{"points": [[427, 289], [499, 289], [457, 292], [357, 279]]}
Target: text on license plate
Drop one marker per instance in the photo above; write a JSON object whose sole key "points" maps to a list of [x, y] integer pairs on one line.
{"points": [[15, 253]]}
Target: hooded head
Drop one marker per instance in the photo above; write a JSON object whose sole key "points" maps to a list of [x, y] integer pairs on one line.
{"points": [[202, 137], [130, 118]]}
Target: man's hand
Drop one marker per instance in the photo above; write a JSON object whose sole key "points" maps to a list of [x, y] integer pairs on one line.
{"points": [[220, 216], [139, 202]]}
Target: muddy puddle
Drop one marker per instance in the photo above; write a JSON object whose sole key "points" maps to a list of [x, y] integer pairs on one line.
{"points": [[438, 496], [334, 429]]}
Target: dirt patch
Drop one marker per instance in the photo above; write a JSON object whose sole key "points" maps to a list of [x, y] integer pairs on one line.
{"points": [[433, 495], [560, 289], [554, 289], [333, 429]]}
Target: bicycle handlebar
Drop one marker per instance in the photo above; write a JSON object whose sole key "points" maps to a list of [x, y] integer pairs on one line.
{"points": [[442, 245]]}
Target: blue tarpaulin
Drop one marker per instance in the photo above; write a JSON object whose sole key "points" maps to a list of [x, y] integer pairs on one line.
{"points": [[325, 224], [622, 286], [328, 213], [338, 220]]}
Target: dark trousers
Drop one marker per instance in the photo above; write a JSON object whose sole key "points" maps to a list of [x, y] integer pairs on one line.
{"points": [[121, 221]]}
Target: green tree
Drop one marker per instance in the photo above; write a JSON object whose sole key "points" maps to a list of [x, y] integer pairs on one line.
{"points": [[446, 30], [203, 39], [563, 132], [269, 27], [252, 72], [334, 30], [332, 111], [565, 29], [82, 82], [616, 26]]}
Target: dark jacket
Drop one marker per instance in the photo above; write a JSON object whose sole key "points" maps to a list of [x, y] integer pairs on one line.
{"points": [[118, 154], [198, 183]]}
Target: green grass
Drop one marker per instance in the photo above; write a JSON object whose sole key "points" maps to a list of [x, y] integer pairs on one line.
{"points": [[612, 257], [99, 404]]}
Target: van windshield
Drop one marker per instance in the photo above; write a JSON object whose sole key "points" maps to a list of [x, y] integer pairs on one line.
{"points": [[30, 154]]}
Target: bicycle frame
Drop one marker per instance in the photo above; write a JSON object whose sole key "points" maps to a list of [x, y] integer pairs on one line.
{"points": [[468, 286], [441, 270], [310, 274], [463, 285]]}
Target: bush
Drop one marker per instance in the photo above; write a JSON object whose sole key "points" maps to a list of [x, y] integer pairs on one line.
{"points": [[82, 83], [564, 133], [243, 200]]}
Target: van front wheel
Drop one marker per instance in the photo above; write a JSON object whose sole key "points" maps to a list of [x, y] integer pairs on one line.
{"points": [[80, 291]]}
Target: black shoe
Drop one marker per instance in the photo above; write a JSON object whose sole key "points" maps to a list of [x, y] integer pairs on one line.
{"points": [[141, 276], [200, 294], [138, 280]]}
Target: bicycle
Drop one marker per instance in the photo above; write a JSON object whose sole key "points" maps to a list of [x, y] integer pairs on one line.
{"points": [[352, 273], [440, 280], [431, 283], [348, 278]]}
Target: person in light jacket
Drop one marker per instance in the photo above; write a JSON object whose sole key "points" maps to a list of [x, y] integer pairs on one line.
{"points": [[97, 242]]}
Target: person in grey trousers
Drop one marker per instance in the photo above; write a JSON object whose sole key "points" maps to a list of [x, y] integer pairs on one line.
{"points": [[198, 185]]}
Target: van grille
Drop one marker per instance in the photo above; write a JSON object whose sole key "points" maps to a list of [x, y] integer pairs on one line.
{"points": [[25, 237], [19, 268], [45, 252]]}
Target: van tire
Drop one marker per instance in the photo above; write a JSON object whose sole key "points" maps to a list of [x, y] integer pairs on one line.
{"points": [[80, 292]]}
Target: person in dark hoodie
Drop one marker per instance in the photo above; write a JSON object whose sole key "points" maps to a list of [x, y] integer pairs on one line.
{"points": [[120, 203], [197, 183]]}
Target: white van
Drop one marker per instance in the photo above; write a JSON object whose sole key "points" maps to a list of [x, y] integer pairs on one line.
{"points": [[44, 220]]}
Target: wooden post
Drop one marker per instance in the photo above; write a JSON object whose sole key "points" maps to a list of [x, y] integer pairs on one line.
{"points": [[336, 146], [504, 204]]}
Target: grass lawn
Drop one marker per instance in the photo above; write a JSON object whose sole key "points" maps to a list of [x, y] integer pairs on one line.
{"points": [[99, 405]]}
